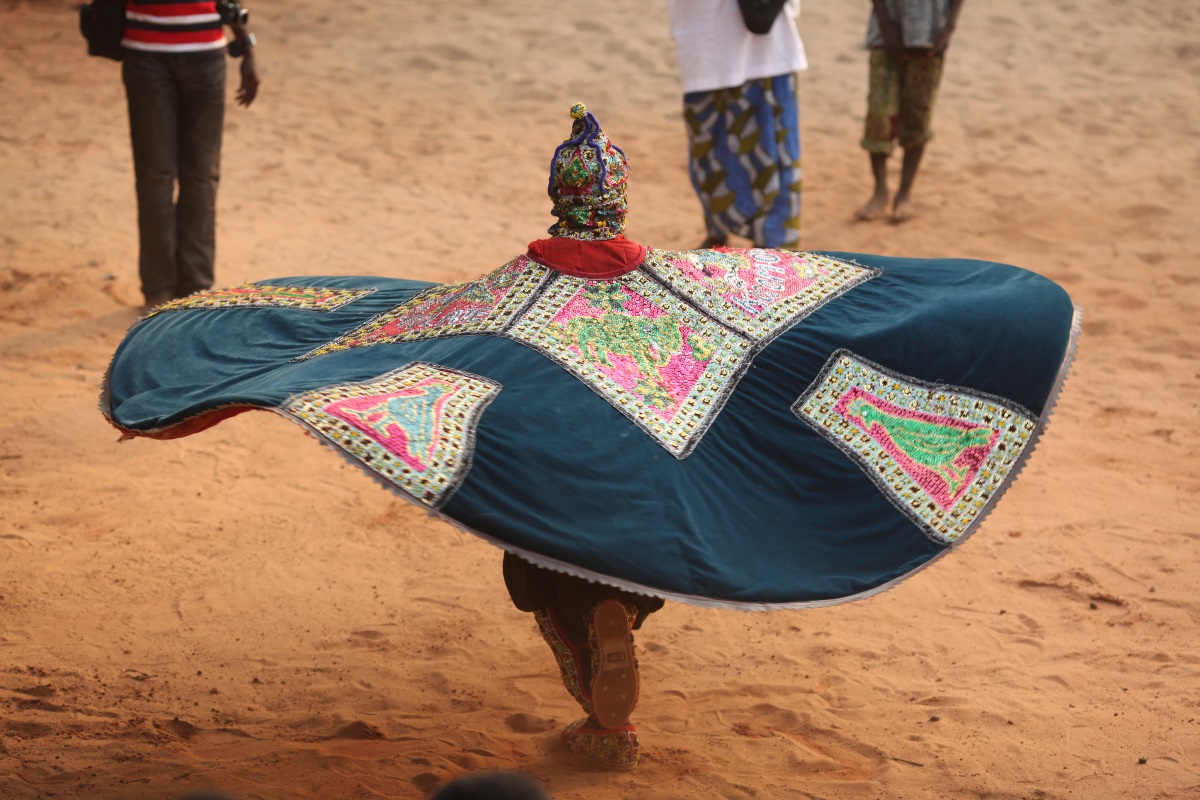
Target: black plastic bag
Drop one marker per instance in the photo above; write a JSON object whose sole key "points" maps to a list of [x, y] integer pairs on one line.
{"points": [[760, 14], [102, 23]]}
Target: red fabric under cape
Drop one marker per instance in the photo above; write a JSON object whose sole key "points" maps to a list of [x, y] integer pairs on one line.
{"points": [[595, 260]]}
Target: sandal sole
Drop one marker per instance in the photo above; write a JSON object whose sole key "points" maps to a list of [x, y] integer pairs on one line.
{"points": [[615, 684]]}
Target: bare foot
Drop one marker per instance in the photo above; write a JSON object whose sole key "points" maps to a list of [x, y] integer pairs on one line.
{"points": [[874, 208], [903, 211]]}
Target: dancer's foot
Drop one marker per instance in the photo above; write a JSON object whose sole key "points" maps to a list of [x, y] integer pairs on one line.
{"points": [[614, 685], [611, 748]]}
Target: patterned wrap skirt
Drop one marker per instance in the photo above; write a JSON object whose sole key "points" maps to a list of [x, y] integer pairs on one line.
{"points": [[745, 160]]}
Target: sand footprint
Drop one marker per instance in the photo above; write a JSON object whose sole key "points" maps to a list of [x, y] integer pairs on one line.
{"points": [[820, 753]]}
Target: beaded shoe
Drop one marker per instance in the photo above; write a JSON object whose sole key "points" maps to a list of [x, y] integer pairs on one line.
{"points": [[611, 748]]}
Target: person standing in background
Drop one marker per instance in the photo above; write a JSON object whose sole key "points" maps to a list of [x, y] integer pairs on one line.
{"points": [[908, 41], [174, 75], [743, 119]]}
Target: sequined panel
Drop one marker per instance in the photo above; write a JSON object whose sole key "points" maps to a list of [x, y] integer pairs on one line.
{"points": [[261, 295], [655, 358], [413, 427], [760, 293], [939, 453], [486, 305]]}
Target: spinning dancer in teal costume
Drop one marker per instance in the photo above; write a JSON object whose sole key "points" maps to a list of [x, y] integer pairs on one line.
{"points": [[752, 429]]}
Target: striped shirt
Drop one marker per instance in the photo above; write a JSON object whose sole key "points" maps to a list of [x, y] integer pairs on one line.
{"points": [[165, 26]]}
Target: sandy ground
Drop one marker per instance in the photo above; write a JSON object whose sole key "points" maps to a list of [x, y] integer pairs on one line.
{"points": [[241, 611]]}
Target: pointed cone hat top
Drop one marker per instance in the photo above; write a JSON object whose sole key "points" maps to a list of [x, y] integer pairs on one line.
{"points": [[588, 176]]}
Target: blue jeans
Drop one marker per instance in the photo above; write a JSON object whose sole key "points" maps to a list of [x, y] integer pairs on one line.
{"points": [[176, 117]]}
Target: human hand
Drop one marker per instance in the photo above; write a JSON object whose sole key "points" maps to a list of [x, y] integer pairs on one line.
{"points": [[942, 40], [249, 88], [893, 42]]}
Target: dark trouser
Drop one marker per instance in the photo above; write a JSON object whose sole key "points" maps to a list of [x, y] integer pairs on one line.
{"points": [[570, 599], [176, 116]]}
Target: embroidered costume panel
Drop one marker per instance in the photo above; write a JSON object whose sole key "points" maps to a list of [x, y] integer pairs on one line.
{"points": [[486, 305], [664, 345], [760, 293], [414, 427], [939, 453], [654, 357], [262, 295]]}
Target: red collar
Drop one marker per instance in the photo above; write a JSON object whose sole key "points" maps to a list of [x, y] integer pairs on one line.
{"points": [[600, 260]]}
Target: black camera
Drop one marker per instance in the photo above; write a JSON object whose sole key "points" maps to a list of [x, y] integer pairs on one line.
{"points": [[232, 13]]}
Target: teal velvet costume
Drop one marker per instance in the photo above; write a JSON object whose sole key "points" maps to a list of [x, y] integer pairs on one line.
{"points": [[746, 428]]}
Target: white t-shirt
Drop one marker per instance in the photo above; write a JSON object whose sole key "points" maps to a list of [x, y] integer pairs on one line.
{"points": [[716, 51]]}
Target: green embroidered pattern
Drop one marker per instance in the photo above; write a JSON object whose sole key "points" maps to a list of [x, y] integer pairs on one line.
{"points": [[654, 357], [939, 453]]}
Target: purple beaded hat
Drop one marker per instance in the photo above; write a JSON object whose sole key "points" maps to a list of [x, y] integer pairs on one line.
{"points": [[587, 182]]}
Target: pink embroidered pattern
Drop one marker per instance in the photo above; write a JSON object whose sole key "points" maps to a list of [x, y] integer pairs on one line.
{"points": [[414, 427], [261, 295], [760, 293], [939, 453], [654, 357], [664, 345], [486, 305]]}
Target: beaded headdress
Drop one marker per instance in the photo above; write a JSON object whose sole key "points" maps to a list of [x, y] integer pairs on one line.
{"points": [[587, 182]]}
